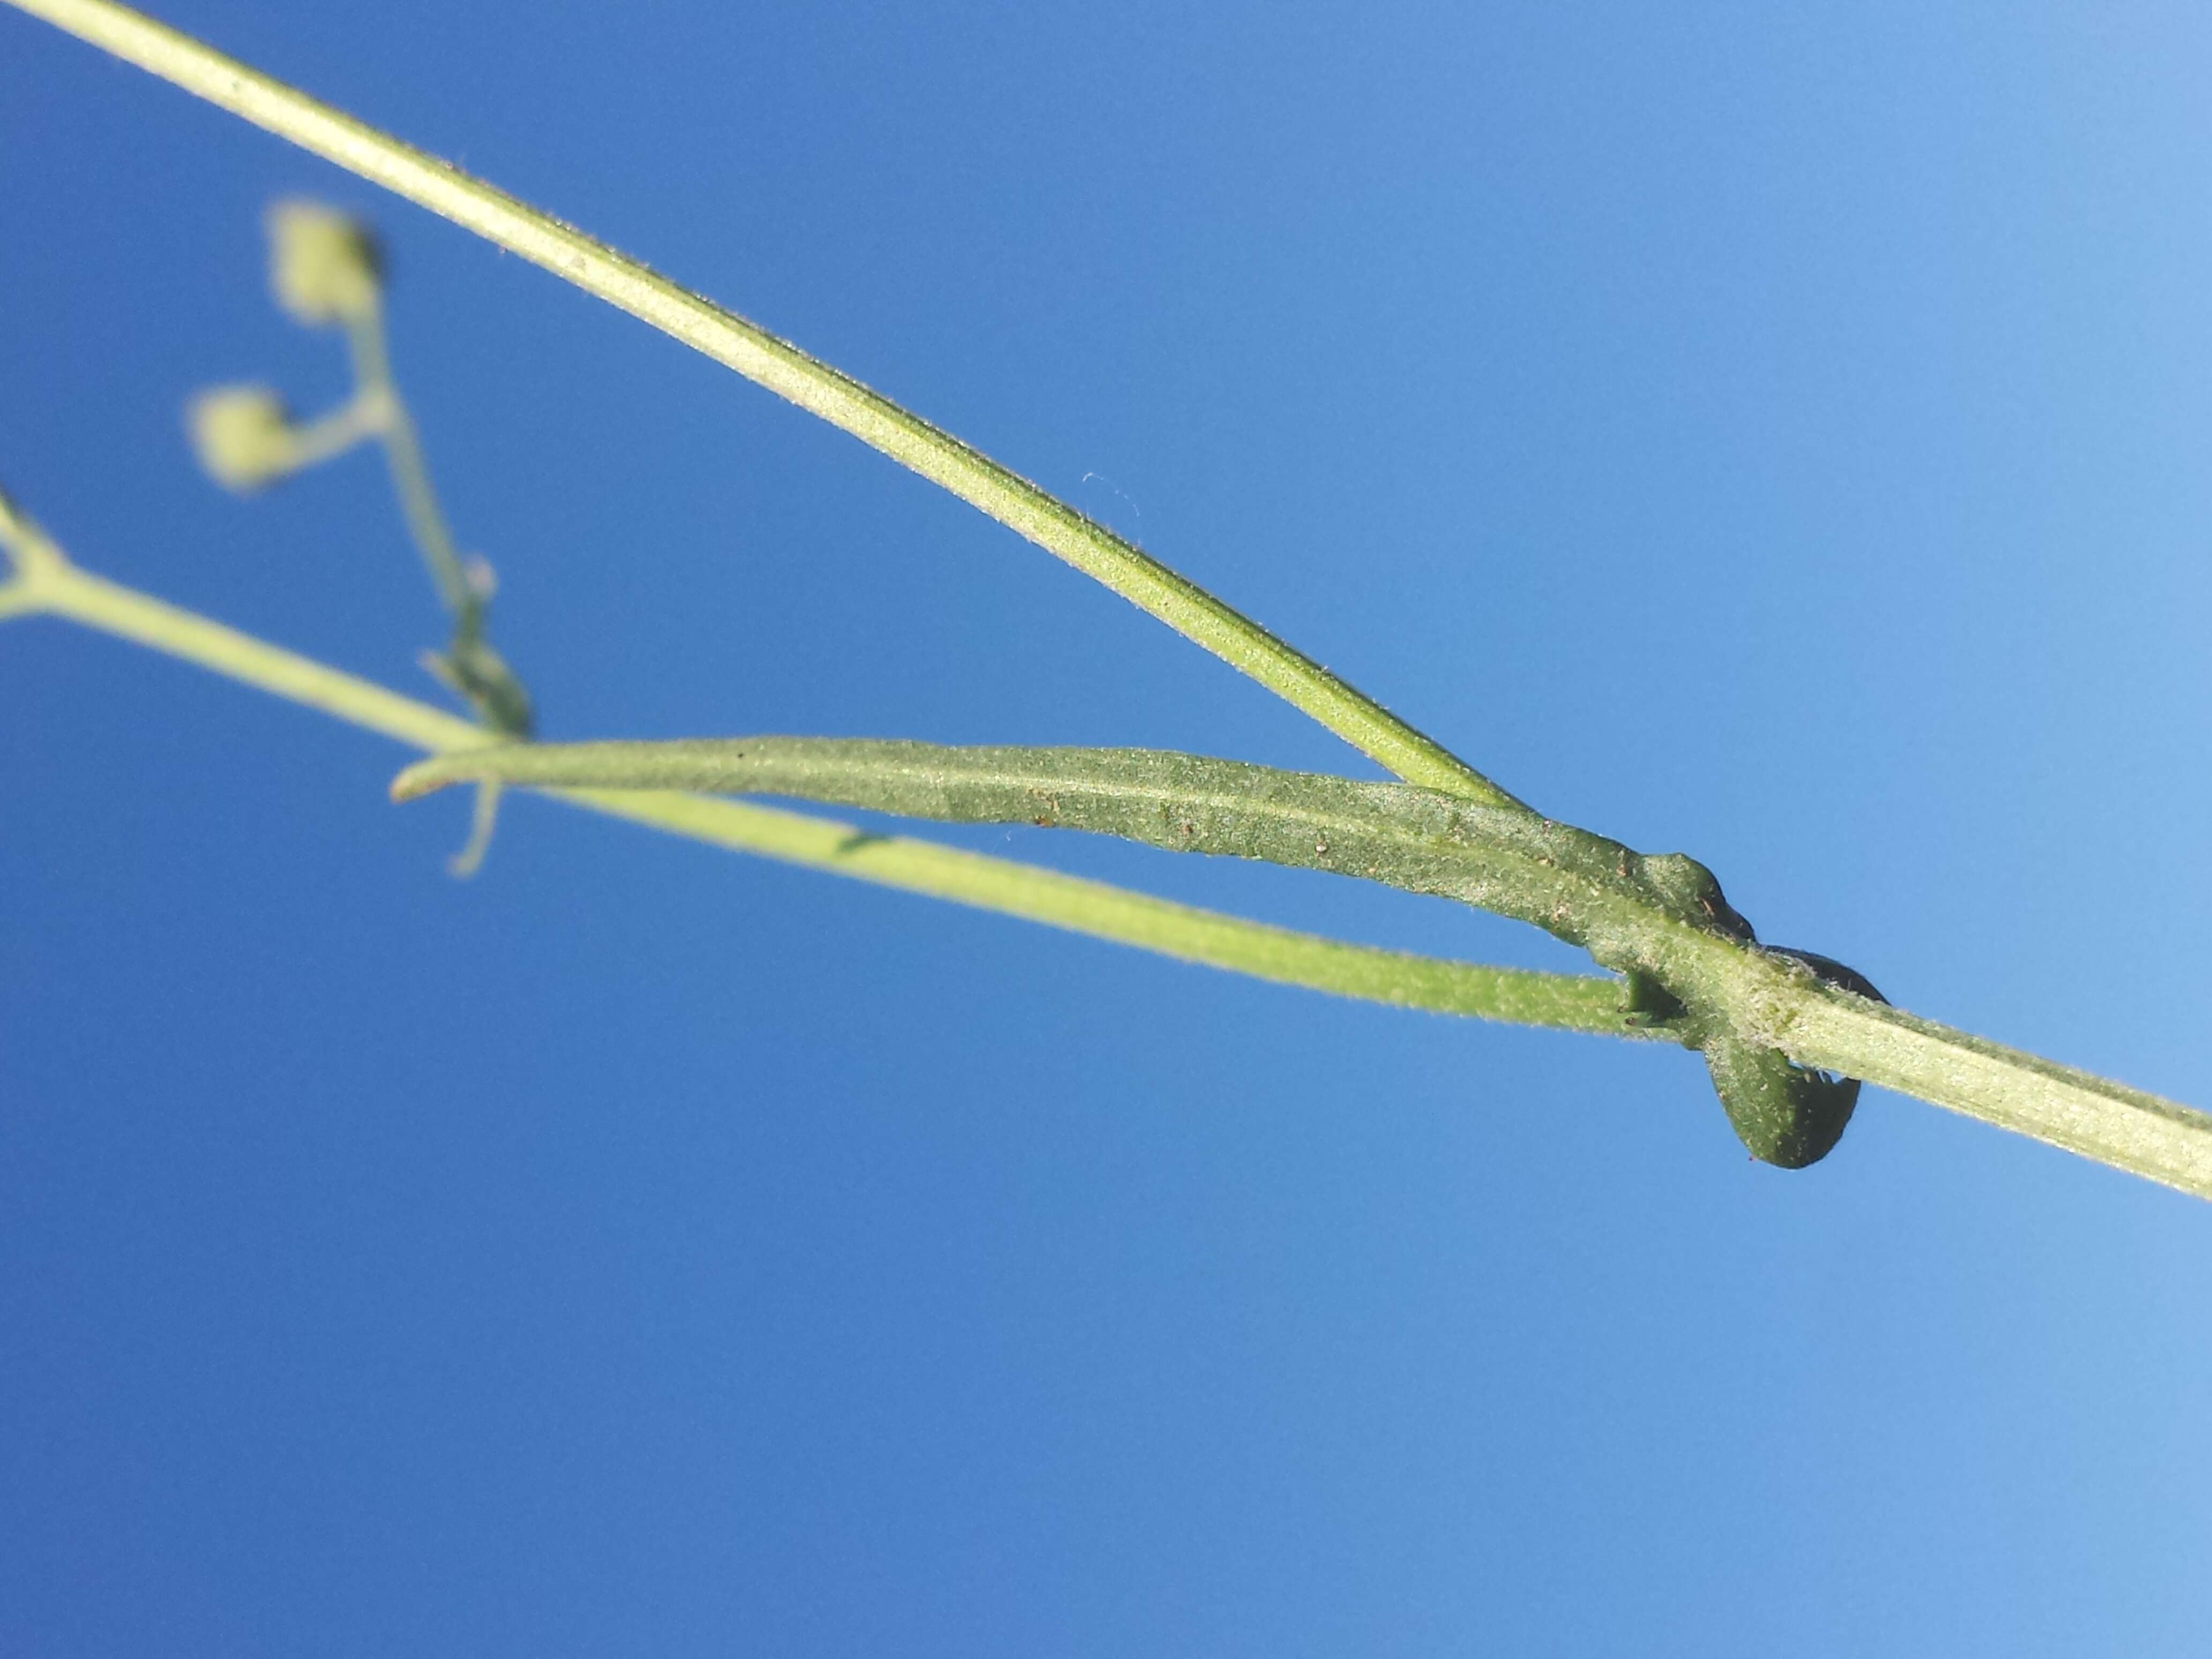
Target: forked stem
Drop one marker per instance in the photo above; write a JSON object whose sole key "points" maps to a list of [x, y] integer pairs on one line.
{"points": [[2106, 1122], [1813, 1025], [48, 583], [783, 368]]}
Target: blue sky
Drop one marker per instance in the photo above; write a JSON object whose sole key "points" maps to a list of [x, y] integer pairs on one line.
{"points": [[1773, 432]]}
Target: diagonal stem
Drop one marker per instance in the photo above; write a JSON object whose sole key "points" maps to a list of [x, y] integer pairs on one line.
{"points": [[1585, 889], [783, 368], [411, 473], [1593, 891], [1815, 1026], [2109, 1123], [47, 583]]}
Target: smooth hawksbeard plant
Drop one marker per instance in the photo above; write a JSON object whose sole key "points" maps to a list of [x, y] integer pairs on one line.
{"points": [[1785, 1034]]}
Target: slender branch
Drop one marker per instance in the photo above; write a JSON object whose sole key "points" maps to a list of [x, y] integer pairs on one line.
{"points": [[476, 672], [411, 473], [331, 435], [1768, 999], [45, 582], [1814, 1024], [1634, 913], [17, 599], [783, 368], [2127, 1128], [1585, 889]]}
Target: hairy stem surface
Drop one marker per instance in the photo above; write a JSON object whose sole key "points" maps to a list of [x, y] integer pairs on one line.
{"points": [[1582, 886], [1765, 999], [1585, 889]]}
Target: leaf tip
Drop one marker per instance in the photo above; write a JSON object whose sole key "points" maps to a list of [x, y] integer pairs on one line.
{"points": [[424, 777]]}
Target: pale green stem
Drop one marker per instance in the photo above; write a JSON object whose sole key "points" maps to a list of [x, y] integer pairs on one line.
{"points": [[45, 582], [1586, 888], [361, 415], [782, 368], [1815, 1026], [1631, 912], [1772, 1002], [483, 819], [410, 472], [472, 670]]}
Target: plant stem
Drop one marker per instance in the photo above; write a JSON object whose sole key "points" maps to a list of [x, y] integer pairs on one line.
{"points": [[783, 368], [410, 474], [1769, 1001], [2125, 1128], [1592, 891], [468, 665], [45, 582], [331, 435], [1585, 889]]}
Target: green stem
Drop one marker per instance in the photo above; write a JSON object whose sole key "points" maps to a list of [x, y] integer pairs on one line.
{"points": [[783, 368], [1774, 1003], [411, 473], [1634, 913], [1768, 1000], [1583, 887], [47, 583], [333, 434]]}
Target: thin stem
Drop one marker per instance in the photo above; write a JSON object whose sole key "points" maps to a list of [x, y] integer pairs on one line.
{"points": [[2109, 1123], [1775, 1003], [1585, 889], [19, 598], [328, 436], [469, 665], [410, 472], [47, 583], [483, 819], [34, 563], [1595, 892], [1768, 999], [783, 368]]}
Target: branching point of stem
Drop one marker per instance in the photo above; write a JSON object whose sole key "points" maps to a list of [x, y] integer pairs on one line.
{"points": [[35, 564], [1186, 933], [1778, 1002], [1747, 1005], [784, 370]]}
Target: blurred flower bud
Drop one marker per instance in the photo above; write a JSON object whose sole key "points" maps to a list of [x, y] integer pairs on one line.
{"points": [[324, 267], [242, 435]]}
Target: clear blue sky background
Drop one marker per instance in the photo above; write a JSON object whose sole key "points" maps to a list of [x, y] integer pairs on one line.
{"points": [[1777, 432]]}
